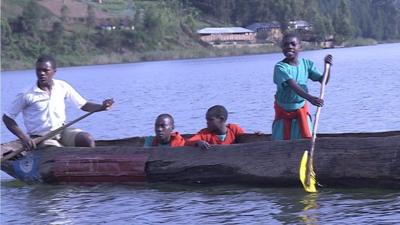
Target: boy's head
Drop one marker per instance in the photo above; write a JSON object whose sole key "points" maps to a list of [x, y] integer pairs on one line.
{"points": [[216, 117], [46, 67], [291, 45], [163, 127]]}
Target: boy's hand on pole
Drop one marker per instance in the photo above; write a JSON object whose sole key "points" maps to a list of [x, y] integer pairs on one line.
{"points": [[328, 59]]}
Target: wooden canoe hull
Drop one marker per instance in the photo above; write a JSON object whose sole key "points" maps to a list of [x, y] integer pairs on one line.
{"points": [[342, 160]]}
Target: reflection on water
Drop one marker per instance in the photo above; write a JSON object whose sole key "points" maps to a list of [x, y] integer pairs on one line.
{"points": [[177, 204], [308, 216], [360, 97]]}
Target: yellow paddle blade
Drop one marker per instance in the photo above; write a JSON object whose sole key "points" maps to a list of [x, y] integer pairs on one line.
{"points": [[303, 174]]}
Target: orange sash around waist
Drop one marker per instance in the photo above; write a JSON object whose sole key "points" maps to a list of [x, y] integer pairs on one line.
{"points": [[300, 114]]}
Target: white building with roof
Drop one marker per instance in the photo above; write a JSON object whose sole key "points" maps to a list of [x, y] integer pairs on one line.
{"points": [[226, 34], [299, 25]]}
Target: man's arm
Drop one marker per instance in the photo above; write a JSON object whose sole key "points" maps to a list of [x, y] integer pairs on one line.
{"points": [[296, 88], [17, 131], [93, 107], [79, 101]]}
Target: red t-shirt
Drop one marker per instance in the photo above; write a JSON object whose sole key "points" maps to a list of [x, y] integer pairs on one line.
{"points": [[232, 132]]}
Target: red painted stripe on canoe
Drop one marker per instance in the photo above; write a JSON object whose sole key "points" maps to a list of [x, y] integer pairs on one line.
{"points": [[101, 168]]}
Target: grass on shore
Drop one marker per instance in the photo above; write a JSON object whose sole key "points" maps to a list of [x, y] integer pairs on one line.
{"points": [[153, 55], [173, 54]]}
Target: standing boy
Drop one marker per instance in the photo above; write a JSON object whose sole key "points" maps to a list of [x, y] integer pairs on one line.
{"points": [[292, 118]]}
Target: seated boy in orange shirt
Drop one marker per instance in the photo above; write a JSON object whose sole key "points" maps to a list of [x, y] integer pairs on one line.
{"points": [[165, 135], [217, 132]]}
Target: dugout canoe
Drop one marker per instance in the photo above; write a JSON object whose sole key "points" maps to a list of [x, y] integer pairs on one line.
{"points": [[366, 160]]}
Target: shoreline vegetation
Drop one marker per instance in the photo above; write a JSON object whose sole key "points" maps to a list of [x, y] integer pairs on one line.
{"points": [[201, 53], [93, 32]]}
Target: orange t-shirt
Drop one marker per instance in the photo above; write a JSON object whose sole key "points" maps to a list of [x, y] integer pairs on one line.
{"points": [[232, 132], [176, 140]]}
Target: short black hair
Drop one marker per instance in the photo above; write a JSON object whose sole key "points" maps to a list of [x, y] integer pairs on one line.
{"points": [[291, 35], [166, 115], [47, 58], [218, 111]]}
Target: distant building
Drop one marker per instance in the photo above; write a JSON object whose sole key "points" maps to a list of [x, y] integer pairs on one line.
{"points": [[106, 25], [126, 24], [259, 27], [215, 35], [299, 25], [269, 32], [113, 24]]}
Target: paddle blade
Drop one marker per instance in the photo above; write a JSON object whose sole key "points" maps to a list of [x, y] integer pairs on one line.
{"points": [[303, 174]]}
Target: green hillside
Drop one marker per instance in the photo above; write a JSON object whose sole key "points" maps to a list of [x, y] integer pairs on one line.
{"points": [[79, 32]]}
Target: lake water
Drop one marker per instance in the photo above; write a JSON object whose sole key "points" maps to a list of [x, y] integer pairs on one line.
{"points": [[362, 96]]}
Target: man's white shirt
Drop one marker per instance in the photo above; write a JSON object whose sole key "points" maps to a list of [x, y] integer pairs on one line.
{"points": [[43, 112]]}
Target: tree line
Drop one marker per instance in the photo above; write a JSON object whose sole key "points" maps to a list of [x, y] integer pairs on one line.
{"points": [[377, 19], [171, 24]]}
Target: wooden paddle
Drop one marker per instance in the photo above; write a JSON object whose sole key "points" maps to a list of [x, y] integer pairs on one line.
{"points": [[307, 174], [49, 135]]}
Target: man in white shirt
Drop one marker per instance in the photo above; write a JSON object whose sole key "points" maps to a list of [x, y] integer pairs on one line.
{"points": [[43, 109]]}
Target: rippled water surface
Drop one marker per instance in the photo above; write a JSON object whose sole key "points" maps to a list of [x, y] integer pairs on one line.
{"points": [[362, 96]]}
